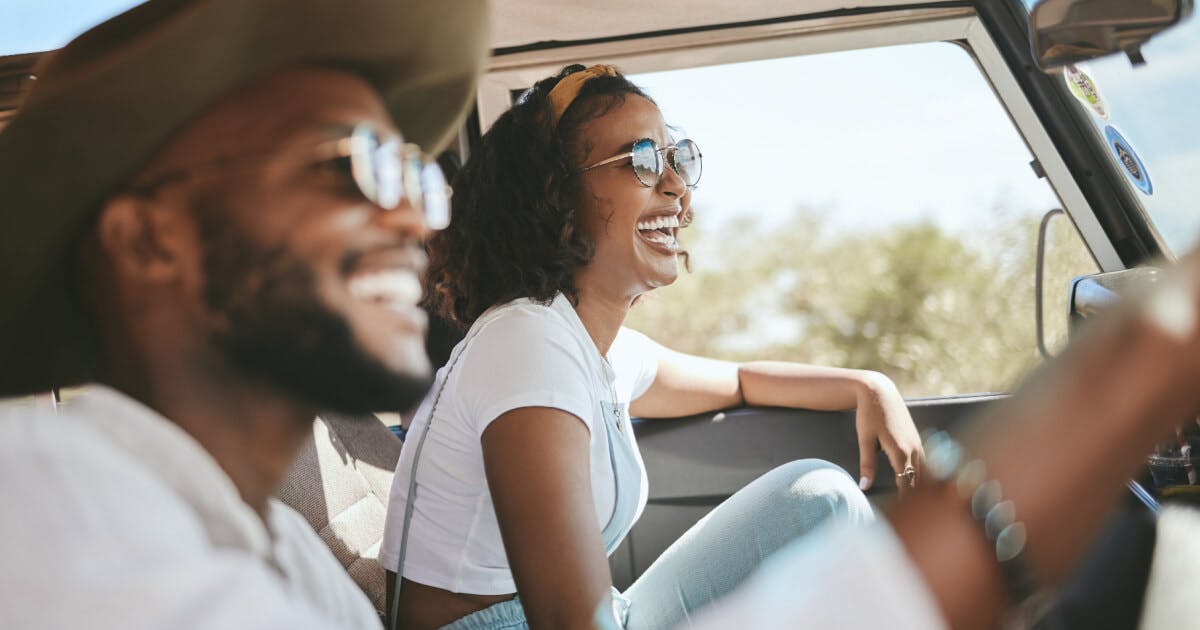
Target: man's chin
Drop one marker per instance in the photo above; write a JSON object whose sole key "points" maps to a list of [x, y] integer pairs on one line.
{"points": [[395, 393], [342, 377], [312, 355], [278, 330], [368, 383]]}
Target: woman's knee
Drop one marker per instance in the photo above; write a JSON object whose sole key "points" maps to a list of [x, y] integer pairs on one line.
{"points": [[816, 490]]}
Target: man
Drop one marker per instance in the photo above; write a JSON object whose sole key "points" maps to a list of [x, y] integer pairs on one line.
{"points": [[204, 210]]}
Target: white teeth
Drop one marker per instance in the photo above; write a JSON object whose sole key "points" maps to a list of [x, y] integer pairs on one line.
{"points": [[657, 223], [395, 287], [659, 238]]}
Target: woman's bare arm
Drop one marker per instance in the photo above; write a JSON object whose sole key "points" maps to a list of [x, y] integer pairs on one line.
{"points": [[538, 469], [686, 385]]}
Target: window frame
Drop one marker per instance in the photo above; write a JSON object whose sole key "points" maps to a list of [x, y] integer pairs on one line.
{"points": [[510, 73]]}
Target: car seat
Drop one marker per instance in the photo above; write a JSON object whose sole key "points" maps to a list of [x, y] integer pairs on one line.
{"points": [[340, 483]]}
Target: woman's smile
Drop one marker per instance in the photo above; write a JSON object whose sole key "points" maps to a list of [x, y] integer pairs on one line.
{"points": [[659, 230]]}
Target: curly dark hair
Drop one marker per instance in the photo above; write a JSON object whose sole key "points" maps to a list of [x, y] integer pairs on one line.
{"points": [[513, 233]]}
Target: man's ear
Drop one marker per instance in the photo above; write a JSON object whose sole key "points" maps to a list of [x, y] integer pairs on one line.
{"points": [[142, 239]]}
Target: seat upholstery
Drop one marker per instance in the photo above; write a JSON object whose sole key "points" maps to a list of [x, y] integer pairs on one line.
{"points": [[340, 483]]}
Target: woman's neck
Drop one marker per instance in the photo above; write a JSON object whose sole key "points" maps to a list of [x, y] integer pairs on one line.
{"points": [[602, 316]]}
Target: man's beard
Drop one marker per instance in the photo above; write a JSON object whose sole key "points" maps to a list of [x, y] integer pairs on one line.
{"points": [[276, 327]]}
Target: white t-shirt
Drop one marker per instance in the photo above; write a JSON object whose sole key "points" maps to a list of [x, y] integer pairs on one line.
{"points": [[114, 517], [520, 354]]}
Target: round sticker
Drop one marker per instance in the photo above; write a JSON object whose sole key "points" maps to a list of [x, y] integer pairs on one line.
{"points": [[1084, 89], [1128, 159]]}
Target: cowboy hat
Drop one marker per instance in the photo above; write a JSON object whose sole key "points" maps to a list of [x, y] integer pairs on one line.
{"points": [[105, 102]]}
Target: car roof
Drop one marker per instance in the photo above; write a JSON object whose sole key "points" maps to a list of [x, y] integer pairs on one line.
{"points": [[521, 23]]}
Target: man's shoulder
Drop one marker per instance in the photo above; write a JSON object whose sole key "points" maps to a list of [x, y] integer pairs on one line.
{"points": [[28, 433], [72, 477], [102, 540]]}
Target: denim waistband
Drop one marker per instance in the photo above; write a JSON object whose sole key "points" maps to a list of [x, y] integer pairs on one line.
{"points": [[500, 616], [510, 614]]}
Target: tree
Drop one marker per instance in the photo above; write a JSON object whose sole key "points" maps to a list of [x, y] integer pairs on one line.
{"points": [[939, 313]]}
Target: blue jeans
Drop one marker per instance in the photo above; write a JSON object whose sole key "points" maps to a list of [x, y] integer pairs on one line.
{"points": [[725, 547]]}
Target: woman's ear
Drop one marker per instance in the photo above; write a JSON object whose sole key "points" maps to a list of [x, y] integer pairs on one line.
{"points": [[142, 239]]}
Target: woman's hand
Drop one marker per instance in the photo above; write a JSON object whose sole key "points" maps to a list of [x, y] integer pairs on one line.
{"points": [[882, 418]]}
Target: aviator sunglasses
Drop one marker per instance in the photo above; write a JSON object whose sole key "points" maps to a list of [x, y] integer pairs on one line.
{"points": [[648, 160], [386, 171]]}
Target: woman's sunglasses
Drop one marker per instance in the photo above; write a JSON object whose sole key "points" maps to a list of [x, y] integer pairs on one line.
{"points": [[386, 171], [648, 161]]}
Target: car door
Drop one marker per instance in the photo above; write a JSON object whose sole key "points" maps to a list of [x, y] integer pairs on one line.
{"points": [[874, 181]]}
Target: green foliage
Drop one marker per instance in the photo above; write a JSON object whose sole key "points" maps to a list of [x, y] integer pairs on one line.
{"points": [[939, 313]]}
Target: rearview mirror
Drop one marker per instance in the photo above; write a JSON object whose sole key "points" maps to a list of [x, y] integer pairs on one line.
{"points": [[1069, 31]]}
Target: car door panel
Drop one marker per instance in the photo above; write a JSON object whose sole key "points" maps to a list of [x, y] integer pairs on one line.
{"points": [[695, 463]]}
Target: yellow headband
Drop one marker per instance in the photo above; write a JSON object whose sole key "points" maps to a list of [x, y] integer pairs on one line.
{"points": [[568, 88]]}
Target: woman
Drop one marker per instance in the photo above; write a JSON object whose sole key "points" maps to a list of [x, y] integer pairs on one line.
{"points": [[526, 468]]}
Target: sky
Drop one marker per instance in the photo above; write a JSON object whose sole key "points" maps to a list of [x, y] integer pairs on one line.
{"points": [[36, 25], [873, 138], [868, 138]]}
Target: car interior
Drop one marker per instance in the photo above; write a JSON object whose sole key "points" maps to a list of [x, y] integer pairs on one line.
{"points": [[342, 480]]}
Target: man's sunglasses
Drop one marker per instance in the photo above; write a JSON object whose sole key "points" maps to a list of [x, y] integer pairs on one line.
{"points": [[386, 171], [648, 160]]}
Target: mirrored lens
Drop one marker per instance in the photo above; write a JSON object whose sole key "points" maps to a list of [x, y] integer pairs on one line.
{"points": [[436, 196], [686, 160], [385, 167], [413, 165], [647, 162], [363, 144], [391, 172]]}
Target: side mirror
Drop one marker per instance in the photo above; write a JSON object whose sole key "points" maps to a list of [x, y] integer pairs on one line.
{"points": [[1064, 32], [1095, 293]]}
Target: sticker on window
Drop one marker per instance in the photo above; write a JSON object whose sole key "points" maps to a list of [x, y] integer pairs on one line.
{"points": [[1128, 159], [1084, 88]]}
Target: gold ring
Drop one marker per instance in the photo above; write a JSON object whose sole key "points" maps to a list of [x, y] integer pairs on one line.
{"points": [[909, 475]]}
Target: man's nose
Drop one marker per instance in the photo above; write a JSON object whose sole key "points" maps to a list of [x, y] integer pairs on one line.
{"points": [[405, 220]]}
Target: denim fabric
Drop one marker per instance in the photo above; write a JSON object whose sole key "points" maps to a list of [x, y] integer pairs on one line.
{"points": [[502, 616], [511, 614], [726, 546]]}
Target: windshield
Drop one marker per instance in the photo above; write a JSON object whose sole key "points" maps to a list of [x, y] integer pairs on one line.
{"points": [[1146, 118]]}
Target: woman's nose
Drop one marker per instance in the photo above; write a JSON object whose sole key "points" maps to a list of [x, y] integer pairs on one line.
{"points": [[670, 183]]}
